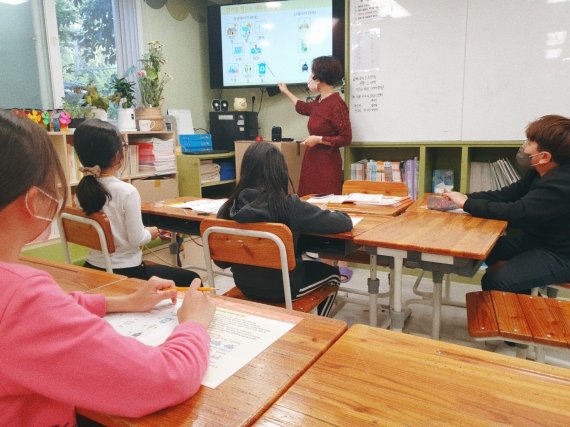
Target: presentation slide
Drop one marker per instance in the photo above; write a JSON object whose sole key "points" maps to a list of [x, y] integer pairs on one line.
{"points": [[268, 43]]}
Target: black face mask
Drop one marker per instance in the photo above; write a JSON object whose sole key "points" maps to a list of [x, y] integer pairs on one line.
{"points": [[524, 159]]}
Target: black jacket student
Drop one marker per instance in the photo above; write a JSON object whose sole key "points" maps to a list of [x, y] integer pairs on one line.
{"points": [[266, 284], [538, 206]]}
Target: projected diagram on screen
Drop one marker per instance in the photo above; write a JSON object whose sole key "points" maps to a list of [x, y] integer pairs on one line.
{"points": [[268, 43]]}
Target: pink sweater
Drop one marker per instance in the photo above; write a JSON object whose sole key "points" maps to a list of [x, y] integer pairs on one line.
{"points": [[57, 353]]}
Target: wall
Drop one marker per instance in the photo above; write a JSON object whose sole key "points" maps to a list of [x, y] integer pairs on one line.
{"points": [[186, 50]]}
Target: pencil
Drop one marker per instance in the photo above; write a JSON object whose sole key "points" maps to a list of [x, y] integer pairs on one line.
{"points": [[184, 289]]}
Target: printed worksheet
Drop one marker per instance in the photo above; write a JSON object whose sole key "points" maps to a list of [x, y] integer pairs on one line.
{"points": [[238, 333], [201, 205]]}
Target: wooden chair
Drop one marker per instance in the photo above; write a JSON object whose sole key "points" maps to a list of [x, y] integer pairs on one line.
{"points": [[374, 187], [523, 319], [261, 244], [92, 231]]}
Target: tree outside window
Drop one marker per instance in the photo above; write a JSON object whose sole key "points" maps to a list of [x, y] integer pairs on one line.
{"points": [[87, 43]]}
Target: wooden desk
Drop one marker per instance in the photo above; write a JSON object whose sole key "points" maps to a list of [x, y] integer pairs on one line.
{"points": [[160, 215], [440, 242], [372, 376], [241, 399], [72, 277]]}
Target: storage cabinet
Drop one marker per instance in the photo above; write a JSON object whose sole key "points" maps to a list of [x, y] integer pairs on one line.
{"points": [[454, 155], [63, 144], [189, 182]]}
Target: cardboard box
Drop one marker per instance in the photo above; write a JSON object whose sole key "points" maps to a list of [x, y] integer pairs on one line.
{"points": [[292, 152], [154, 190]]}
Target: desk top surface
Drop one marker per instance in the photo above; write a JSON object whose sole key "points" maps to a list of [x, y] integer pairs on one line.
{"points": [[72, 277], [373, 376], [435, 232], [161, 208], [242, 398]]}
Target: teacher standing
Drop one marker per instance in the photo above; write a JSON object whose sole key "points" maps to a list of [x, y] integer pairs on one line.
{"points": [[329, 129]]}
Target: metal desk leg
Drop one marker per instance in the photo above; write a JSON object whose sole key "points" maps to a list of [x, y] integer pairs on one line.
{"points": [[397, 316], [173, 247], [436, 304], [373, 287]]}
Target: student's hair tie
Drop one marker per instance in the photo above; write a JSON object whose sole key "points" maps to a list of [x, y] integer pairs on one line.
{"points": [[91, 171]]}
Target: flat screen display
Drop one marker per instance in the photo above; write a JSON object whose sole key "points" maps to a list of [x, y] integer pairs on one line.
{"points": [[261, 44]]}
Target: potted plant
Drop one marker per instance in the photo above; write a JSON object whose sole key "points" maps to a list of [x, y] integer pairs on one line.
{"points": [[74, 104], [152, 81], [99, 104], [124, 97]]}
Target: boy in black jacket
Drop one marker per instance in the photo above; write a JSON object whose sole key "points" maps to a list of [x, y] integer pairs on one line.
{"points": [[538, 205]]}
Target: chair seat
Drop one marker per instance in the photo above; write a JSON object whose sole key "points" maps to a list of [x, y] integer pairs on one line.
{"points": [[305, 304]]}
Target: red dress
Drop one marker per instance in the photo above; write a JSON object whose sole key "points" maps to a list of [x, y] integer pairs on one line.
{"points": [[321, 171]]}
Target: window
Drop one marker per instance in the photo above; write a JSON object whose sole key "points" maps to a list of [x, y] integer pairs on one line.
{"points": [[87, 43], [56, 45]]}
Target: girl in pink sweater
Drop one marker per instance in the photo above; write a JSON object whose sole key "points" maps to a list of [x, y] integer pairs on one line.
{"points": [[56, 352]]}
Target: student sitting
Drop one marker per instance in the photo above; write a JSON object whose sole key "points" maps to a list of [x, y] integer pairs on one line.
{"points": [[56, 351], [99, 147], [262, 196], [538, 204]]}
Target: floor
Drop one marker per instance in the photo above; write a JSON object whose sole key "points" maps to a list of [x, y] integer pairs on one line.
{"points": [[453, 319]]}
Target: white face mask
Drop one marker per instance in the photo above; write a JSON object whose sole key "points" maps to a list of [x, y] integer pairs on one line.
{"points": [[44, 207], [313, 85]]}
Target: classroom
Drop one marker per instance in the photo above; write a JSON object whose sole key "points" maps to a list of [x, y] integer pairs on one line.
{"points": [[373, 195]]}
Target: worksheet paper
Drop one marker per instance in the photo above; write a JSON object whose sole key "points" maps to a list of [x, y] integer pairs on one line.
{"points": [[202, 205], [238, 333]]}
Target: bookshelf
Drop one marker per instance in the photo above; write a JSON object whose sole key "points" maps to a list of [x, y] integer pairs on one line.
{"points": [[63, 144], [454, 155], [189, 183]]}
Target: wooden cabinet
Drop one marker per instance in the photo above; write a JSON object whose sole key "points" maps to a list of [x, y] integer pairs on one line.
{"points": [[63, 144], [189, 180], [454, 155]]}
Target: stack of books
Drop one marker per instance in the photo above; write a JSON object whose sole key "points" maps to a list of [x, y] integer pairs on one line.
{"points": [[209, 171], [156, 156], [486, 176], [388, 171]]}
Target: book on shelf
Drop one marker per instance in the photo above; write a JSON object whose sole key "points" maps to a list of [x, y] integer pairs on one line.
{"points": [[156, 155], [133, 159], [442, 179]]}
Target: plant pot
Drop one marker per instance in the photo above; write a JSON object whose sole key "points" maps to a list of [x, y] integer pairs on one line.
{"points": [[126, 121], [99, 113], [153, 114], [76, 122]]}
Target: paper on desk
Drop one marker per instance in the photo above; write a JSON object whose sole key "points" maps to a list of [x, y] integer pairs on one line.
{"points": [[238, 333], [355, 220], [329, 198], [202, 205], [358, 198]]}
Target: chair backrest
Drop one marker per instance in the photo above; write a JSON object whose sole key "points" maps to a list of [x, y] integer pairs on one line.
{"points": [[375, 187], [92, 231], [260, 244]]}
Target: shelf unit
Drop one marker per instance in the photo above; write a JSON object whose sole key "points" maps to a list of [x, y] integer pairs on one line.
{"points": [[63, 144], [454, 155], [189, 183]]}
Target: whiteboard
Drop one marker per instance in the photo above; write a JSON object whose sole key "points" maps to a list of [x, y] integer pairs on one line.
{"points": [[445, 70], [517, 66]]}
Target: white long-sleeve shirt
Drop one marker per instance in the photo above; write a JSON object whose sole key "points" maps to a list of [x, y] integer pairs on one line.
{"points": [[124, 212]]}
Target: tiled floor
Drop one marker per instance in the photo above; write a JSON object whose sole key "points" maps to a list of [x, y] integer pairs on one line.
{"points": [[453, 319]]}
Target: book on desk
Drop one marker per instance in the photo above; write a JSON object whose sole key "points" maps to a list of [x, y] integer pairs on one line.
{"points": [[358, 199]]}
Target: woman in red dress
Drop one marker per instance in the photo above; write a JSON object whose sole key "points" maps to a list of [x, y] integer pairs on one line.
{"points": [[329, 129]]}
